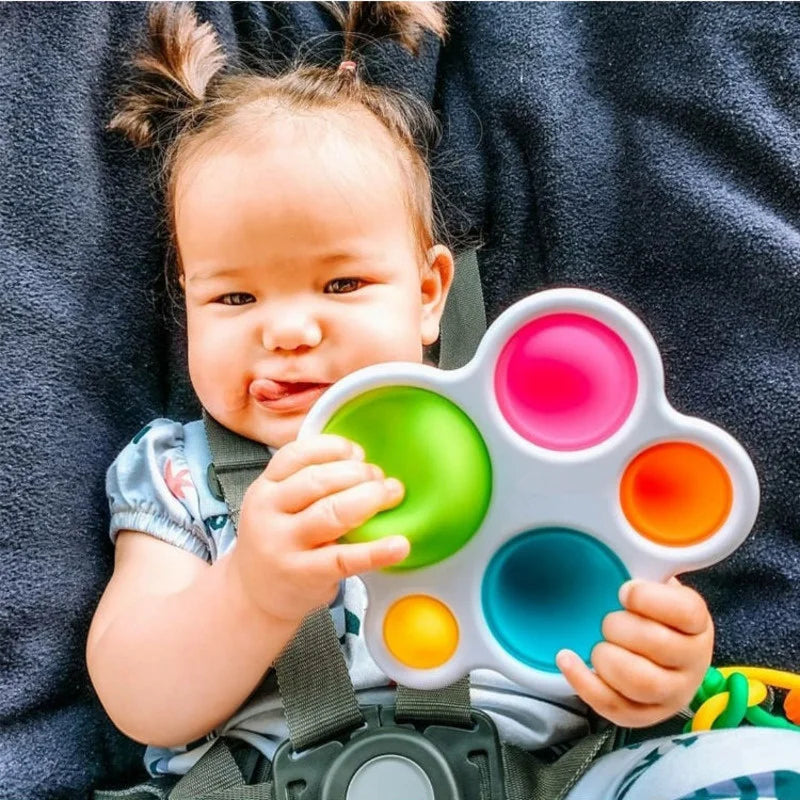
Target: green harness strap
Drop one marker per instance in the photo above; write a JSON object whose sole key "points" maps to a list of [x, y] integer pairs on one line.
{"points": [[320, 702], [449, 705], [464, 317]]}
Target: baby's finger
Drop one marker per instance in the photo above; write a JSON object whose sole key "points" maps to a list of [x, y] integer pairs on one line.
{"points": [[314, 450], [314, 482], [599, 695], [337, 514], [341, 561], [632, 676], [668, 603], [656, 642]]}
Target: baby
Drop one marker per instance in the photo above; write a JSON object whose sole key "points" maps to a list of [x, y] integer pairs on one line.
{"points": [[301, 217]]}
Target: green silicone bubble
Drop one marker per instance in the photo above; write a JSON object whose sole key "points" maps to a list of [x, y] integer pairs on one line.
{"points": [[428, 443]]}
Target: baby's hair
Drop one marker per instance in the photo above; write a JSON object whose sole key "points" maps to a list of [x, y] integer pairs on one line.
{"points": [[186, 93]]}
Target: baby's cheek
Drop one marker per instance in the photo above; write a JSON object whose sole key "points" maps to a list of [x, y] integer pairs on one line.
{"points": [[386, 333], [216, 374]]}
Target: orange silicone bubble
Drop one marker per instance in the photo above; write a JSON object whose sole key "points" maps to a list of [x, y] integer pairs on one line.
{"points": [[420, 632], [676, 494]]}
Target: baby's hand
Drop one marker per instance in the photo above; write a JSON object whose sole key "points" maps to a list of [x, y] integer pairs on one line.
{"points": [[655, 655], [312, 492]]}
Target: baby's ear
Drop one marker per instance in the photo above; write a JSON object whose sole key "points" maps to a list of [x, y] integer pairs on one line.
{"points": [[435, 282]]}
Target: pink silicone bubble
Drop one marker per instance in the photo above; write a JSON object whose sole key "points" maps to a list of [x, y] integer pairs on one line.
{"points": [[565, 381]]}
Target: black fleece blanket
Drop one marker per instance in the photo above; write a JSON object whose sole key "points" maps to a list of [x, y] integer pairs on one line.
{"points": [[650, 151]]}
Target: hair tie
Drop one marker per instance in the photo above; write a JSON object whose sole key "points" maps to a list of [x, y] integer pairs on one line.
{"points": [[347, 66]]}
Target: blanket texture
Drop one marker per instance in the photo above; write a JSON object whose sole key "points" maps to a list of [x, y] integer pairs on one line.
{"points": [[648, 151]]}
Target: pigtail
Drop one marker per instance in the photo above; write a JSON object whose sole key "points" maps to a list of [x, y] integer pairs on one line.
{"points": [[404, 22], [407, 116], [181, 59]]}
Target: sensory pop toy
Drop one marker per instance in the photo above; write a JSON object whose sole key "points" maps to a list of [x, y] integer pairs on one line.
{"points": [[539, 478]]}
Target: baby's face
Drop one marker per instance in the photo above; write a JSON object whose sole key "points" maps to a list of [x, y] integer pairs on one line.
{"points": [[299, 267]]}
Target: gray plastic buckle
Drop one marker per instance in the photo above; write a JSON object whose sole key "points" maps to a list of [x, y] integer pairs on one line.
{"points": [[395, 761]]}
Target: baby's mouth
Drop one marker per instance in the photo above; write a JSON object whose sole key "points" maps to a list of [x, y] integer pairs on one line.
{"points": [[285, 395]]}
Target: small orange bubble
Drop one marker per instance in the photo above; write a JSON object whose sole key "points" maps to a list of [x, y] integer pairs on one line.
{"points": [[420, 632]]}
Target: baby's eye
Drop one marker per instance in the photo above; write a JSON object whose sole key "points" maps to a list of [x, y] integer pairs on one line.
{"points": [[343, 285], [235, 299]]}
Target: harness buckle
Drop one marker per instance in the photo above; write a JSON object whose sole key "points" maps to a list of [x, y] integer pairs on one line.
{"points": [[393, 760]]}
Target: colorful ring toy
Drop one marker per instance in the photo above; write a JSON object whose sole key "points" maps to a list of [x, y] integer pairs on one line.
{"points": [[729, 696]]}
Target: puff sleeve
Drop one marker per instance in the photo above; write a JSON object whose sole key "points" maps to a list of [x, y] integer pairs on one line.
{"points": [[150, 489]]}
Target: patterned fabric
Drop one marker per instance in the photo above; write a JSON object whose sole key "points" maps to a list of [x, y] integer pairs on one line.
{"points": [[779, 785], [159, 484], [733, 764]]}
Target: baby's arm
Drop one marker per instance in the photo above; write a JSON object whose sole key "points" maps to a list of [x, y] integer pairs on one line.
{"points": [[176, 645], [653, 658]]}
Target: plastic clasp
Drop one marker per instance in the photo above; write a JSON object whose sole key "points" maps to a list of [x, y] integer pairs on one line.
{"points": [[395, 761]]}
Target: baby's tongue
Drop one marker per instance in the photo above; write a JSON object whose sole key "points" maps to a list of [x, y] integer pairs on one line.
{"points": [[266, 389]]}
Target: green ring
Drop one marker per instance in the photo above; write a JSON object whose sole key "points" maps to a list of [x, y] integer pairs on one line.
{"points": [[713, 683], [738, 690], [756, 715]]}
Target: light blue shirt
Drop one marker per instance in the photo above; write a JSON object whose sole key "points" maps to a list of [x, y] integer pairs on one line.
{"points": [[159, 484]]}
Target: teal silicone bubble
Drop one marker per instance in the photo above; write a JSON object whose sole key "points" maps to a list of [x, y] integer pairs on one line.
{"points": [[432, 446], [548, 589]]}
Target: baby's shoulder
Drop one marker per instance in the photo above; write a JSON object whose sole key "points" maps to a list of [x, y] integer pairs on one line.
{"points": [[161, 437], [157, 446], [166, 468]]}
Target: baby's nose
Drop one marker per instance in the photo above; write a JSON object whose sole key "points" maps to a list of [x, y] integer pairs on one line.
{"points": [[290, 330]]}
